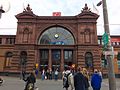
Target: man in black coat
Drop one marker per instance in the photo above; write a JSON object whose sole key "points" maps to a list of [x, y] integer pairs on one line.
{"points": [[79, 80], [31, 79]]}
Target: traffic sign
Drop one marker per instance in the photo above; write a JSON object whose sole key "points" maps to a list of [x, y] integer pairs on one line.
{"points": [[105, 39]]}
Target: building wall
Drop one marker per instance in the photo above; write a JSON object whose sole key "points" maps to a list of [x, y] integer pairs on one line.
{"points": [[30, 27], [7, 45]]}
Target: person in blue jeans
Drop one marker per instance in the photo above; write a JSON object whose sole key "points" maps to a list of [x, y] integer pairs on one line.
{"points": [[43, 74], [96, 80], [56, 74]]}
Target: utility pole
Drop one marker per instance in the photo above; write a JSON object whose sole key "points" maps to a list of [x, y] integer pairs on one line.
{"points": [[109, 57]]}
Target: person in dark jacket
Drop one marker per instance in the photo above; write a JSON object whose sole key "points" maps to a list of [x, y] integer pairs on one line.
{"points": [[96, 80], [31, 79], [86, 76], [79, 80]]}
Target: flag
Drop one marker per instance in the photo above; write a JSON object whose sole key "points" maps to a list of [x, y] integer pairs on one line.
{"points": [[95, 10], [56, 13]]}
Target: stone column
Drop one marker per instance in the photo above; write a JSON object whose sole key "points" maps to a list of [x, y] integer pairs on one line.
{"points": [[62, 60], [50, 60]]}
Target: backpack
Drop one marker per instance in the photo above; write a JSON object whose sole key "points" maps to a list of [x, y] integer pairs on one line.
{"points": [[65, 81]]}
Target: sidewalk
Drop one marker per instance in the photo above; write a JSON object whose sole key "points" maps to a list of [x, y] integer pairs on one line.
{"points": [[14, 83]]}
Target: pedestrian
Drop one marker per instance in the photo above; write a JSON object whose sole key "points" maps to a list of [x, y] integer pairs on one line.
{"points": [[36, 72], [79, 80], [96, 80], [43, 74], [23, 75], [1, 81], [30, 81], [86, 76], [68, 79], [100, 73], [50, 74], [56, 74]]}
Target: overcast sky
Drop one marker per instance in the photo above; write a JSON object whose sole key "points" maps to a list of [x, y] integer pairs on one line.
{"points": [[8, 22]]}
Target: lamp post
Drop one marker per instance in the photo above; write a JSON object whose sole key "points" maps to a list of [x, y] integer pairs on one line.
{"points": [[109, 57], [1, 11], [4, 7]]}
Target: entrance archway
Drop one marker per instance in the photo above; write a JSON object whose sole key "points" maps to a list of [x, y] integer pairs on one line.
{"points": [[56, 54]]}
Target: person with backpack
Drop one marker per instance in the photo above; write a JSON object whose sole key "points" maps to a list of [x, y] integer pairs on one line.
{"points": [[30, 81], [68, 80]]}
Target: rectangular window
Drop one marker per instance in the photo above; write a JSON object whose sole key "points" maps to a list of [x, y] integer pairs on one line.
{"points": [[10, 40], [104, 63], [44, 54], [99, 42], [102, 43], [119, 64], [117, 43], [113, 43], [68, 55]]}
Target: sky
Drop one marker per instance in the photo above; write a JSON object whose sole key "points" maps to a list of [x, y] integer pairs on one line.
{"points": [[8, 22]]}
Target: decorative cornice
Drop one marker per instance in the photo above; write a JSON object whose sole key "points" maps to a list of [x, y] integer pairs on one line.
{"points": [[86, 13]]}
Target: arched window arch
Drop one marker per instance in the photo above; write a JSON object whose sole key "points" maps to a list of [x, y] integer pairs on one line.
{"points": [[23, 57], [88, 59], [118, 59], [8, 58], [56, 36]]}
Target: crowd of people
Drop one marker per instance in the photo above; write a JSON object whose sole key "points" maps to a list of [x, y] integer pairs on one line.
{"points": [[81, 80], [75, 80]]}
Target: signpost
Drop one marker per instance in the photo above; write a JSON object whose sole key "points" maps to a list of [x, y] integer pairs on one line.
{"points": [[105, 39]]}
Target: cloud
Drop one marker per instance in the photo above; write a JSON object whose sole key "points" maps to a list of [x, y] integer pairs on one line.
{"points": [[66, 7]]}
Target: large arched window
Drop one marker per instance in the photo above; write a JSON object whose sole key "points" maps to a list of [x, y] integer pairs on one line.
{"points": [[88, 59], [56, 36], [118, 59], [8, 58]]}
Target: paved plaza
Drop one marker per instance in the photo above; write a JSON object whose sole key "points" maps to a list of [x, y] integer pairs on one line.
{"points": [[14, 83]]}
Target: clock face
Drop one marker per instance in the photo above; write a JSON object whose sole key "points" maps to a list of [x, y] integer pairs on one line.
{"points": [[56, 36]]}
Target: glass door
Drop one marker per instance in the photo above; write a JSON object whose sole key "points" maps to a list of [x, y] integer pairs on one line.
{"points": [[56, 57], [68, 58], [44, 56]]}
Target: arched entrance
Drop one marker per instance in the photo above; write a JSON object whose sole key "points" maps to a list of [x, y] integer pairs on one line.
{"points": [[57, 45]]}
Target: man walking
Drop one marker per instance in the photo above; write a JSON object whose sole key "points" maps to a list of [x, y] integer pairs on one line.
{"points": [[79, 80], [96, 80]]}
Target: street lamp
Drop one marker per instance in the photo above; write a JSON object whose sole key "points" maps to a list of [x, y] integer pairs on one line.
{"points": [[1, 11], [109, 57], [4, 7]]}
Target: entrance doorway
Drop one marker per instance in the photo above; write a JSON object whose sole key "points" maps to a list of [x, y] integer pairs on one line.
{"points": [[44, 56], [57, 58], [68, 58]]}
